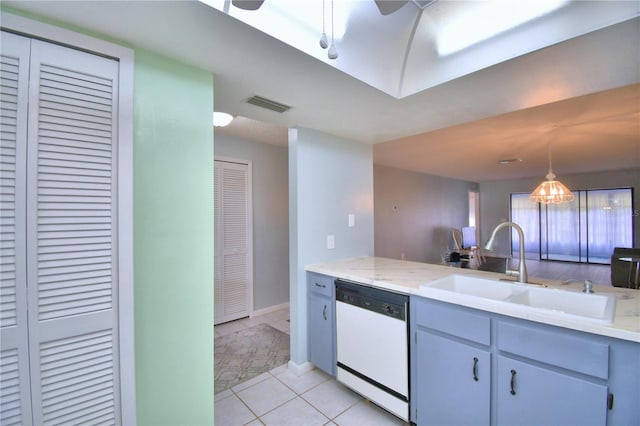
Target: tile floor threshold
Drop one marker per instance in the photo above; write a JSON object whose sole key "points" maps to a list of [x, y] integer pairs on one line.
{"points": [[280, 398]]}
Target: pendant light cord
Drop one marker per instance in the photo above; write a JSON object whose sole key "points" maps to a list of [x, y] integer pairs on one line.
{"points": [[331, 21], [323, 17], [333, 52]]}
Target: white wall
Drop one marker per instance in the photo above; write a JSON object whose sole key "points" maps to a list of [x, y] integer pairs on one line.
{"points": [[414, 213], [495, 197], [329, 178], [270, 216]]}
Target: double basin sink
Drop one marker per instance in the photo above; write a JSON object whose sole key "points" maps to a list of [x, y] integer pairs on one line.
{"points": [[555, 302]]}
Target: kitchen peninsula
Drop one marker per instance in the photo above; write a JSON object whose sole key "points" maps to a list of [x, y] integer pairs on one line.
{"points": [[490, 362]]}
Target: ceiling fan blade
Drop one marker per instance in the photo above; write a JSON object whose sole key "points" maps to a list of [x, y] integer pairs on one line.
{"points": [[387, 7], [247, 4]]}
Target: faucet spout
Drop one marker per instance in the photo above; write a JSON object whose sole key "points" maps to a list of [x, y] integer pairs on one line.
{"points": [[522, 266]]}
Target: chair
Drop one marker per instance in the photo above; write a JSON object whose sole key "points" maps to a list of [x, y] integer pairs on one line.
{"points": [[621, 270], [464, 243]]}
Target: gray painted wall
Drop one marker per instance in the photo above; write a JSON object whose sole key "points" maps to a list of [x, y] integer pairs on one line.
{"points": [[270, 216], [414, 213], [329, 178], [494, 199]]}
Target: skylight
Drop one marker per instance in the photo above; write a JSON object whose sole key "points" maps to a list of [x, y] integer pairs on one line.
{"points": [[483, 20]]}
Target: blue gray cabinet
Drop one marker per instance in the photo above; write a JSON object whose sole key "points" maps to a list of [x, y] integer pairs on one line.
{"points": [[458, 389], [528, 373], [529, 394], [452, 366], [548, 376], [321, 322]]}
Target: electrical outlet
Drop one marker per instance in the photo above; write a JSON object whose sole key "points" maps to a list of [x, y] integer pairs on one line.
{"points": [[331, 242]]}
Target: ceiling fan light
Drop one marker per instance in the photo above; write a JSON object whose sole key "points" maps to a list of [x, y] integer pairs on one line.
{"points": [[247, 4], [221, 119]]}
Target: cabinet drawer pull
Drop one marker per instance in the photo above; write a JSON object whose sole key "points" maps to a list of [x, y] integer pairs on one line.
{"points": [[321, 285], [324, 312], [475, 369], [513, 382]]}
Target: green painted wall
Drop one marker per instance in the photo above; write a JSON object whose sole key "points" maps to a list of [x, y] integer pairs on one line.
{"points": [[173, 211]]}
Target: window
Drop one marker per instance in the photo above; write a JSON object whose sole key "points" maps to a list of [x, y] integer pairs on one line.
{"points": [[585, 230]]}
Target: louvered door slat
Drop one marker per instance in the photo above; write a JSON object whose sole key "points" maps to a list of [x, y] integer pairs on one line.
{"points": [[15, 398], [8, 160], [71, 204], [10, 391]]}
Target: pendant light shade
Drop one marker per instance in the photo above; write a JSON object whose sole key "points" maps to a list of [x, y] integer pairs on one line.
{"points": [[551, 191]]}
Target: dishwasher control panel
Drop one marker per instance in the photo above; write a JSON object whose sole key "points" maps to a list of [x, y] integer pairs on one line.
{"points": [[379, 301]]}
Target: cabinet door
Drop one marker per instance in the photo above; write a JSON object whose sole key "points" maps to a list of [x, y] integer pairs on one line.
{"points": [[321, 336], [532, 395], [453, 382]]}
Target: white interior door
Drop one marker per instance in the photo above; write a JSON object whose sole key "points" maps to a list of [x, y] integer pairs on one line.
{"points": [[233, 282], [15, 397], [62, 297]]}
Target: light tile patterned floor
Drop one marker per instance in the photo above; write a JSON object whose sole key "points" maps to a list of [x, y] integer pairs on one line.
{"points": [[280, 397]]}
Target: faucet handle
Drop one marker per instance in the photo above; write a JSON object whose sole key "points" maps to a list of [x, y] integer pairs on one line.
{"points": [[588, 286]]}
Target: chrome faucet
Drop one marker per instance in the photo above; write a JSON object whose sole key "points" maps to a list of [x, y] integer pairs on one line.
{"points": [[522, 267], [587, 285]]}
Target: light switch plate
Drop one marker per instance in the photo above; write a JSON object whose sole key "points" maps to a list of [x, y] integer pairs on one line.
{"points": [[352, 220], [331, 242]]}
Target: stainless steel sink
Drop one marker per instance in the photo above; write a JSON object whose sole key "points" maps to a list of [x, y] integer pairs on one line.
{"points": [[559, 303]]}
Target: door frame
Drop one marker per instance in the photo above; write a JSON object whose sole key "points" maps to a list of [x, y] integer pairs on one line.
{"points": [[249, 164], [125, 57]]}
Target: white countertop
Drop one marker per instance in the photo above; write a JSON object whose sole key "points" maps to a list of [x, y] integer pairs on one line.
{"points": [[407, 277]]}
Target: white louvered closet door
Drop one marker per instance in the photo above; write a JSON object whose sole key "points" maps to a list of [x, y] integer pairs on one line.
{"points": [[71, 270], [15, 399], [233, 241]]}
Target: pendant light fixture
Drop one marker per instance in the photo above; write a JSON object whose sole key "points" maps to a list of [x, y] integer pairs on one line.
{"points": [[333, 52], [551, 191], [324, 43]]}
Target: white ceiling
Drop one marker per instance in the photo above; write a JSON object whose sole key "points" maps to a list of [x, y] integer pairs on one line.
{"points": [[585, 89]]}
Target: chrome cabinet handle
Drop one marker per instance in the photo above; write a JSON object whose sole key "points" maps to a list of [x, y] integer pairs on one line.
{"points": [[324, 312], [321, 285], [513, 382], [475, 369]]}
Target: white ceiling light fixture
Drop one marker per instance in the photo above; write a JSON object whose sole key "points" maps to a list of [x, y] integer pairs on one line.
{"points": [[551, 191], [333, 52], [324, 43], [221, 119], [487, 19]]}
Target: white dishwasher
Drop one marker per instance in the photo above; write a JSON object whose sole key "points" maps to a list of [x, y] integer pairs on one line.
{"points": [[372, 345]]}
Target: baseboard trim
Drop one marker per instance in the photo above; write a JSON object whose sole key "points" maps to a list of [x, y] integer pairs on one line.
{"points": [[300, 369], [269, 309]]}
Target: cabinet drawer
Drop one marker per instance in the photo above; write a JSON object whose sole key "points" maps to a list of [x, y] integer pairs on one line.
{"points": [[556, 348], [320, 284], [455, 320]]}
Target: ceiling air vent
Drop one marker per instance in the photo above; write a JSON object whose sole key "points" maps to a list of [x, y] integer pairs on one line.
{"points": [[268, 104]]}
